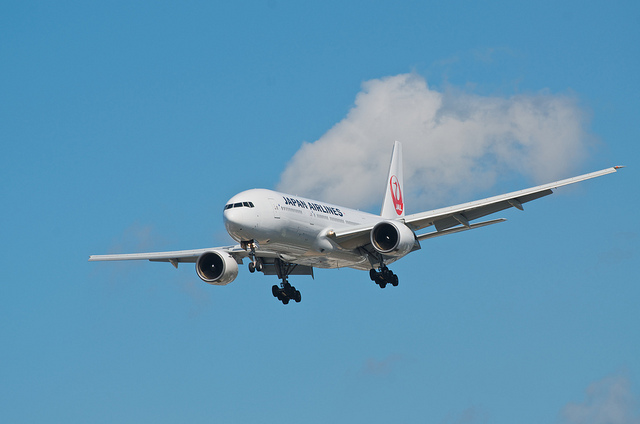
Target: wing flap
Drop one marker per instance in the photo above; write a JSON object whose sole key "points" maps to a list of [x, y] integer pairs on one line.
{"points": [[458, 229], [478, 212]]}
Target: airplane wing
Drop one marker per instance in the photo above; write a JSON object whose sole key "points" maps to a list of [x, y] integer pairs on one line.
{"points": [[452, 216], [458, 218], [267, 257], [186, 256], [175, 257]]}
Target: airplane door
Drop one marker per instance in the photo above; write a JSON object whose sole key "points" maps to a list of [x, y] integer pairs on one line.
{"points": [[275, 207]]}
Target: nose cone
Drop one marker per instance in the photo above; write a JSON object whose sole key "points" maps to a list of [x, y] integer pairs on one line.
{"points": [[232, 221], [240, 218]]}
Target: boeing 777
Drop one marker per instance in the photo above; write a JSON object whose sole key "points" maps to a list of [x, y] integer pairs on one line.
{"points": [[284, 235]]}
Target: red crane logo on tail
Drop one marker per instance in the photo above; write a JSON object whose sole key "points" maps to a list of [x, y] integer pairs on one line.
{"points": [[396, 194]]}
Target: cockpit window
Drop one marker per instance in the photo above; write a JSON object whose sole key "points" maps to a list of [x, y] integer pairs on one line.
{"points": [[239, 205]]}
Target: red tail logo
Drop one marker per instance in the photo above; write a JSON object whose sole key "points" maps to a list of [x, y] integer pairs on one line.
{"points": [[396, 194]]}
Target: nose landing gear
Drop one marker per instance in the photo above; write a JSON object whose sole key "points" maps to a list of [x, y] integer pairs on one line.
{"points": [[255, 264]]}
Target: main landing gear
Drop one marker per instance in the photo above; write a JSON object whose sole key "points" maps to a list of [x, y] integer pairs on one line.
{"points": [[383, 277], [286, 291]]}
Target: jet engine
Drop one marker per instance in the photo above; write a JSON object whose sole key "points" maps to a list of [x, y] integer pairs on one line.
{"points": [[217, 268], [392, 238]]}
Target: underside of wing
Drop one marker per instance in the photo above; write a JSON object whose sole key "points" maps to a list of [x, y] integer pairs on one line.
{"points": [[351, 238], [458, 229]]}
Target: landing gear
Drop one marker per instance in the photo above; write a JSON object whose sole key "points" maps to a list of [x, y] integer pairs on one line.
{"points": [[255, 264], [383, 277], [286, 291]]}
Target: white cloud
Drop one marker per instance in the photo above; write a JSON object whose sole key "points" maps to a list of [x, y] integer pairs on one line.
{"points": [[609, 401], [453, 141]]}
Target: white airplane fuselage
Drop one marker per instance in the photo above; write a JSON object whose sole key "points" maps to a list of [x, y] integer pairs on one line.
{"points": [[296, 227]]}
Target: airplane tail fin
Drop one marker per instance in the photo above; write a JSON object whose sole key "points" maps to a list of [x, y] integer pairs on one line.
{"points": [[393, 205]]}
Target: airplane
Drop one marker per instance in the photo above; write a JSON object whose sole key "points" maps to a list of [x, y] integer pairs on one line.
{"points": [[283, 235]]}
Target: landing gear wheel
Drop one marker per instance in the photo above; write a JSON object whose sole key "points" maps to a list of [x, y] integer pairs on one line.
{"points": [[286, 293], [386, 273], [259, 266], [252, 267], [383, 277]]}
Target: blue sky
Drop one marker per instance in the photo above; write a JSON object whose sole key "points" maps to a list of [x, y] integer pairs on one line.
{"points": [[126, 126]]}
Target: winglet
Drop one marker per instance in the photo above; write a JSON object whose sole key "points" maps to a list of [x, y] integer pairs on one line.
{"points": [[393, 205], [619, 167]]}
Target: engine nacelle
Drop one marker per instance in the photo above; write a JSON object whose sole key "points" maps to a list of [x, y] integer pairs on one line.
{"points": [[392, 238], [217, 268]]}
